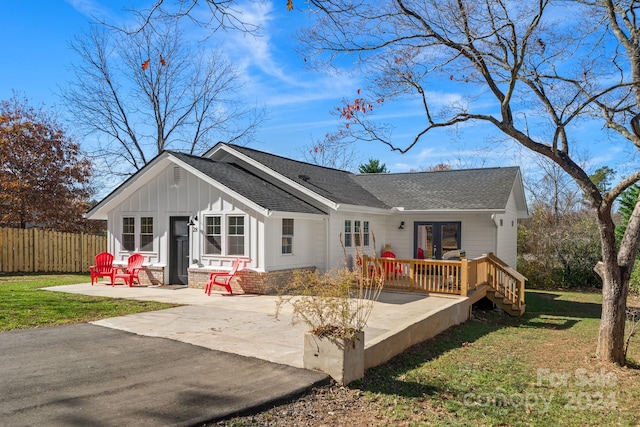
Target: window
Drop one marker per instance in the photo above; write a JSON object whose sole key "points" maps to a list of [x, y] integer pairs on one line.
{"points": [[235, 235], [287, 236], [356, 233], [146, 234], [347, 233], [365, 233], [129, 234], [213, 235]]}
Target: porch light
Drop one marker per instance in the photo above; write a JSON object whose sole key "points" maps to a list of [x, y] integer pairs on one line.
{"points": [[401, 225], [192, 223]]}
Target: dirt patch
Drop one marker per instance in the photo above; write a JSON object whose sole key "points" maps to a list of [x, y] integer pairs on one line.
{"points": [[331, 405]]}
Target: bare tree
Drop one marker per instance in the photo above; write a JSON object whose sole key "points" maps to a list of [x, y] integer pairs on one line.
{"points": [[553, 188], [332, 153], [526, 66], [145, 92], [211, 14]]}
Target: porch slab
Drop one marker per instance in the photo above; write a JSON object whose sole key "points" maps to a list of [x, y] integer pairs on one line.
{"points": [[246, 324]]}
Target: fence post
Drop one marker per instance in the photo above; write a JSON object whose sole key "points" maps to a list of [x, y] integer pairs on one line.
{"points": [[464, 277]]}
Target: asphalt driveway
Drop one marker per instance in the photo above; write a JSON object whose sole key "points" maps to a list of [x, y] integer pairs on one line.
{"points": [[88, 375]]}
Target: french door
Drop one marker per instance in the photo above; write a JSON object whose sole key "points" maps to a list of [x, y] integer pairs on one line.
{"points": [[435, 238]]}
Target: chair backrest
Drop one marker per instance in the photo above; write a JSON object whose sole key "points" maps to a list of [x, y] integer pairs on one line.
{"points": [[104, 261], [234, 268], [451, 255], [388, 254], [420, 253], [134, 263]]}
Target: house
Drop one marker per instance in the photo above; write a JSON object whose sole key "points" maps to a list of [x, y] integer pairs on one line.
{"points": [[189, 215]]}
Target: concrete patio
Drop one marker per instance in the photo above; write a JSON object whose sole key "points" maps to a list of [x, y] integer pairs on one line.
{"points": [[245, 324]]}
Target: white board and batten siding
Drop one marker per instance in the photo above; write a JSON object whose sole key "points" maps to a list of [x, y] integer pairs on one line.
{"points": [[164, 197]]}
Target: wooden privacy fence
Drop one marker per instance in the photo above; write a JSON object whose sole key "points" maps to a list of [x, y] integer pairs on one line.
{"points": [[41, 251]]}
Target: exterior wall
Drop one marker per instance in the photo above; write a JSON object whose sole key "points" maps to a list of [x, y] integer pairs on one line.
{"points": [[377, 228], [309, 243], [478, 233], [507, 235]]}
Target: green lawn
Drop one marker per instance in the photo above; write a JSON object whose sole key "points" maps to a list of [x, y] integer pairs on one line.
{"points": [[497, 370], [24, 305]]}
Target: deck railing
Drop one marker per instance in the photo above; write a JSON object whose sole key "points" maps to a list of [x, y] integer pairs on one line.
{"points": [[449, 277]]}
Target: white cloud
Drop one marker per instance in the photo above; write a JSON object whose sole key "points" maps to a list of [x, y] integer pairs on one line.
{"points": [[89, 8]]}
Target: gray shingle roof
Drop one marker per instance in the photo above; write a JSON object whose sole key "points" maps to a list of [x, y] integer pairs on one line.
{"points": [[249, 185], [333, 184], [456, 189]]}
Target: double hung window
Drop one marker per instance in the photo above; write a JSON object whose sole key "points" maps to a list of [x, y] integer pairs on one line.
{"points": [[129, 234], [287, 236]]}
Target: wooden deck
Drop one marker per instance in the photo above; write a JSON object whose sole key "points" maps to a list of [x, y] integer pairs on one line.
{"points": [[475, 278]]}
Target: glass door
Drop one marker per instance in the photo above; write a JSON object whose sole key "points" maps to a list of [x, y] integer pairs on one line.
{"points": [[432, 239]]}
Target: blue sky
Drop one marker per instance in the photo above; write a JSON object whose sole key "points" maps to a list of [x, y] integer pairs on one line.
{"points": [[36, 57]]}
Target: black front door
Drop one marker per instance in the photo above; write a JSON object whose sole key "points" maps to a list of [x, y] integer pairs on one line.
{"points": [[436, 238], [178, 250]]}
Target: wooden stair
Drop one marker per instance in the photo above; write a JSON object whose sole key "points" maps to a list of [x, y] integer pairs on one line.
{"points": [[503, 303]]}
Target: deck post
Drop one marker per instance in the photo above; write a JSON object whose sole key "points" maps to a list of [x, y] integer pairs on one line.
{"points": [[464, 277]]}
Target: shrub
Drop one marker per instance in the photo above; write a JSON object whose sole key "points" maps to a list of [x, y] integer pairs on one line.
{"points": [[335, 303]]}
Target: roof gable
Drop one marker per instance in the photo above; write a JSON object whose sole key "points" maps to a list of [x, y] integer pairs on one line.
{"points": [[249, 185]]}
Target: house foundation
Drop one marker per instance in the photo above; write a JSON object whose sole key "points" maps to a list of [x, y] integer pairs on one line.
{"points": [[248, 281]]}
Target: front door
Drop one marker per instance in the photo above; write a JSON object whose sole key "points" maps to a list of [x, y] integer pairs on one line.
{"points": [[178, 250], [436, 238]]}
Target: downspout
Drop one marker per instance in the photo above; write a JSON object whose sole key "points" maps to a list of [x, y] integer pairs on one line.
{"points": [[496, 222], [327, 228]]}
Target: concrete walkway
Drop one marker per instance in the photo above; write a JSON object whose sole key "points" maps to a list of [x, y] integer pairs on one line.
{"points": [[246, 325]]}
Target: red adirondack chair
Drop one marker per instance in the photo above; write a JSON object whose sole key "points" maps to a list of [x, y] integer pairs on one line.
{"points": [[103, 267], [392, 269], [372, 268], [130, 272], [222, 278]]}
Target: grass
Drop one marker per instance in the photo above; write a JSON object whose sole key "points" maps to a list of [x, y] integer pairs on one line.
{"points": [[23, 304], [496, 370]]}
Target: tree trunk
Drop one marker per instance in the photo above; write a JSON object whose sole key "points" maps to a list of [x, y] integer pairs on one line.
{"points": [[615, 287]]}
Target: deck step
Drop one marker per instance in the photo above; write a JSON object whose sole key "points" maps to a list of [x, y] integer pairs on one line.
{"points": [[506, 305]]}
